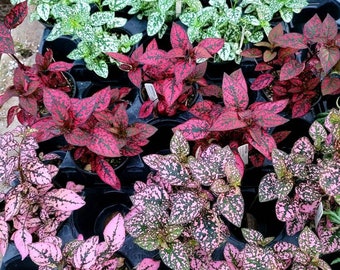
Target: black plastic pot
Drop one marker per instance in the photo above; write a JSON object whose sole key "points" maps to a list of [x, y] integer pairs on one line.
{"points": [[12, 260]]}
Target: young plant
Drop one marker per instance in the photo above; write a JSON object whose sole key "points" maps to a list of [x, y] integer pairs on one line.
{"points": [[82, 254], [300, 67], [33, 208], [177, 210], [249, 122]]}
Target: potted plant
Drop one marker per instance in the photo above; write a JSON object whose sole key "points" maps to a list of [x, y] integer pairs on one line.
{"points": [[33, 209], [299, 66], [172, 76]]}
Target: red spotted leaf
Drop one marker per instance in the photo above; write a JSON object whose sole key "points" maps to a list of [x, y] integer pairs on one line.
{"points": [[329, 28], [262, 81], [175, 256], [114, 233], [60, 66], [312, 30], [153, 57], [186, 206], [252, 53], [102, 99], [45, 254], [171, 90], [291, 69], [301, 107], [77, 137], [271, 106], [16, 15], [85, 255], [179, 37], [231, 206], [266, 119], [228, 120], [261, 140], [107, 174], [22, 238], [64, 200], [193, 129], [103, 143], [11, 113], [58, 104], [276, 32], [262, 66], [291, 40], [212, 45], [235, 93], [148, 264], [6, 40], [269, 55], [329, 57], [146, 109], [330, 86]]}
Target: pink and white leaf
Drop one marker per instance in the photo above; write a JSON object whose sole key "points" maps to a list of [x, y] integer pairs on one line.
{"points": [[114, 233], [64, 200], [45, 254], [148, 264], [231, 206], [85, 255], [4, 230], [22, 238]]}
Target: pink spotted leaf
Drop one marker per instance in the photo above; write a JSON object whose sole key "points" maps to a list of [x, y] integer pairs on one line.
{"points": [[228, 120], [85, 255], [312, 30], [317, 132], [285, 210], [309, 242], [148, 264], [254, 257], [22, 238], [329, 57], [114, 233], [303, 149], [103, 143], [233, 256], [330, 86], [252, 236], [175, 256], [296, 225], [148, 240], [231, 206], [291, 69], [64, 200], [291, 40], [45, 254], [329, 178], [186, 206], [4, 230], [37, 173]]}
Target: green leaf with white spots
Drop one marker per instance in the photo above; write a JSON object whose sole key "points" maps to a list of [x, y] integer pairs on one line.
{"points": [[116, 22], [43, 11], [179, 146], [100, 67], [101, 18], [116, 5], [165, 5], [155, 23], [234, 15], [148, 240], [286, 14], [256, 37], [224, 53], [173, 232]]}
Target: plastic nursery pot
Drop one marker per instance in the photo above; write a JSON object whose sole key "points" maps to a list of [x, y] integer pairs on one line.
{"points": [[216, 70], [12, 261], [160, 141], [257, 215], [52, 144], [101, 204], [61, 46]]}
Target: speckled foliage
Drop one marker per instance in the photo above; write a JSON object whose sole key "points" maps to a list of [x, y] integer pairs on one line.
{"points": [[178, 210], [306, 182]]}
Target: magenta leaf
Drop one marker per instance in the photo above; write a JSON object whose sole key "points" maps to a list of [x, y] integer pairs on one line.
{"points": [[60, 66], [312, 30], [114, 233], [85, 255], [171, 90], [291, 40], [261, 140], [228, 120], [6, 40], [16, 15], [291, 69], [77, 137], [107, 173], [186, 206], [271, 106], [233, 256], [252, 53], [234, 87], [22, 238], [267, 119], [146, 109], [231, 206], [148, 264], [212, 45], [103, 143], [4, 230], [64, 200], [175, 256], [301, 107], [154, 57], [57, 103], [309, 242], [178, 37], [45, 254], [262, 81]]}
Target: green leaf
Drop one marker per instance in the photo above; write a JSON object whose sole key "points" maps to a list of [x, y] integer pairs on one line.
{"points": [[165, 5], [155, 23], [286, 14], [116, 22], [175, 256], [43, 11], [234, 15], [148, 240], [231, 205], [225, 52], [173, 232], [99, 67], [116, 5], [101, 18]]}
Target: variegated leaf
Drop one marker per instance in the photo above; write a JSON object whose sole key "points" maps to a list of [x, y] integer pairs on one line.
{"points": [[252, 236], [179, 146], [114, 233], [4, 230], [175, 256], [148, 264], [22, 238], [64, 200], [309, 242], [45, 254], [231, 205], [148, 240], [85, 255]]}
